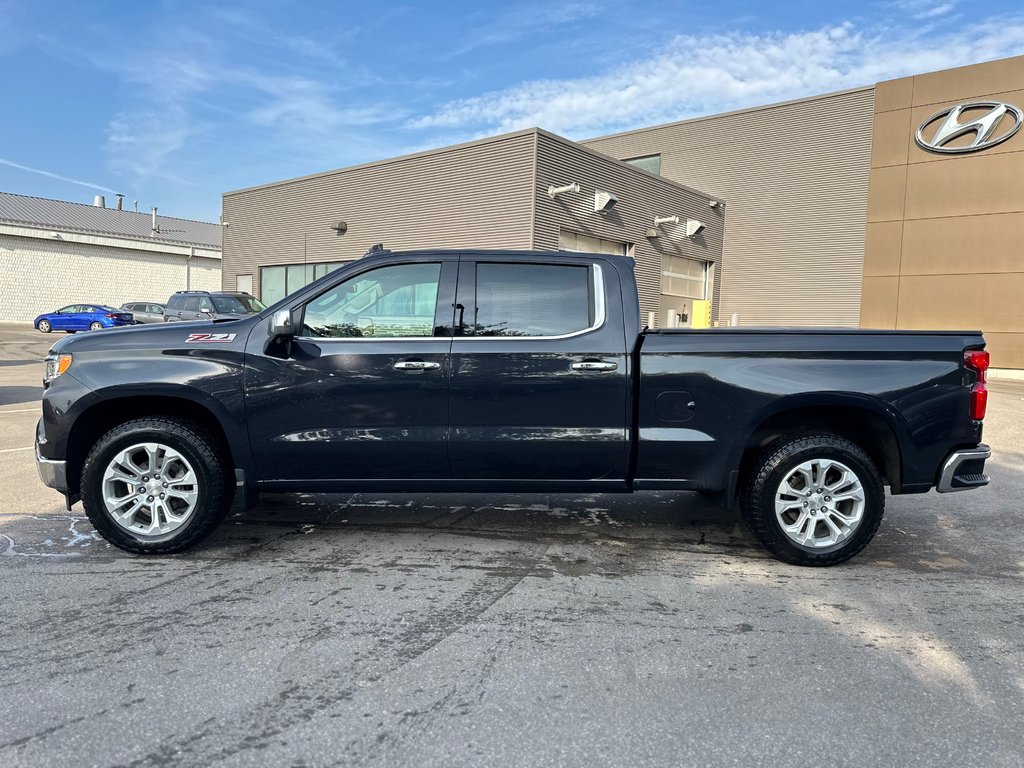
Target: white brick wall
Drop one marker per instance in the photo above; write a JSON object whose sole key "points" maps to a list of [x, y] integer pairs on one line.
{"points": [[40, 275]]}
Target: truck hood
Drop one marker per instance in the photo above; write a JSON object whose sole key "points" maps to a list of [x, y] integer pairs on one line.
{"points": [[153, 336]]}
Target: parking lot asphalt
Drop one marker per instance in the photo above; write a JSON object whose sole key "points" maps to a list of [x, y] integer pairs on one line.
{"points": [[469, 630]]}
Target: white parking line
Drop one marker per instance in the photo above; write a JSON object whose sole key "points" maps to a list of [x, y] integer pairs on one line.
{"points": [[23, 410], [12, 450]]}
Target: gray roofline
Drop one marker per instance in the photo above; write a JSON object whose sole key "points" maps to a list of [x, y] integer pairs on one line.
{"points": [[387, 161], [745, 110], [121, 236], [608, 158], [464, 145], [107, 232]]}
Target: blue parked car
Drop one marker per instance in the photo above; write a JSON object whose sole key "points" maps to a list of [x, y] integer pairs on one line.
{"points": [[83, 317]]}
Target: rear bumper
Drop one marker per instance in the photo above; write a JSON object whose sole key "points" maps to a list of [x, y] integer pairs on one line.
{"points": [[964, 470]]}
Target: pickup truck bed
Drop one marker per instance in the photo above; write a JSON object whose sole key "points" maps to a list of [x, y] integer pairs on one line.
{"points": [[524, 371]]}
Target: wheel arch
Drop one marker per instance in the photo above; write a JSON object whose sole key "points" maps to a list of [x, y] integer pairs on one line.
{"points": [[863, 420], [119, 407]]}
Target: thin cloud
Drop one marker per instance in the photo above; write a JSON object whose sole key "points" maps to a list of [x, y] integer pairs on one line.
{"points": [[57, 176], [517, 22], [697, 75], [925, 9]]}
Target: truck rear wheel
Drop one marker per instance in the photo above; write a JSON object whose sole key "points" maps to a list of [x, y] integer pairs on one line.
{"points": [[155, 485], [814, 499]]}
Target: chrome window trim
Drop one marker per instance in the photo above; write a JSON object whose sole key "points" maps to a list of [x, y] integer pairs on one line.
{"points": [[599, 321]]}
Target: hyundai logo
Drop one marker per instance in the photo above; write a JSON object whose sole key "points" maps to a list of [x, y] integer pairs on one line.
{"points": [[989, 129]]}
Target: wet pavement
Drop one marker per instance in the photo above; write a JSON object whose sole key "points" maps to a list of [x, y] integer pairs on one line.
{"points": [[470, 630]]}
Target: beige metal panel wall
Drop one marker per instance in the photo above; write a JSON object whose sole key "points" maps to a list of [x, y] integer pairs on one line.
{"points": [[642, 196], [471, 195], [795, 176], [944, 231]]}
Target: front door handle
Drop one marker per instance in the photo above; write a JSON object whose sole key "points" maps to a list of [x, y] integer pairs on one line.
{"points": [[594, 365], [415, 365]]}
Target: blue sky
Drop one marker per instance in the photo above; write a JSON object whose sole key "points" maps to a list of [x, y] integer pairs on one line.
{"points": [[173, 103]]}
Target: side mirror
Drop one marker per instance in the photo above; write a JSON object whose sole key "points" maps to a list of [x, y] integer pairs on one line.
{"points": [[281, 325]]}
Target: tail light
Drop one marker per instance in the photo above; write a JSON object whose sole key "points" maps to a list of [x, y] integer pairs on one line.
{"points": [[977, 360]]}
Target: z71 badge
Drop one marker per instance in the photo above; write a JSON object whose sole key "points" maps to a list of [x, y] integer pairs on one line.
{"points": [[210, 338]]}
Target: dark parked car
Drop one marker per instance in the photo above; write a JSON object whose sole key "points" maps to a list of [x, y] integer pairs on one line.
{"points": [[145, 311], [82, 317], [210, 305], [506, 371]]}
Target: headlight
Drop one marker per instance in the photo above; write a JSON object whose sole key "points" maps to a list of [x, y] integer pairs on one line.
{"points": [[55, 366]]}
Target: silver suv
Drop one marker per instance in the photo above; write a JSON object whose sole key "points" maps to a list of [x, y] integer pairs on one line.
{"points": [[210, 305]]}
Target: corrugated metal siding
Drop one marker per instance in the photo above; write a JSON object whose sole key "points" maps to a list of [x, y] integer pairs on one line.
{"points": [[79, 217], [472, 195], [795, 177], [642, 196]]}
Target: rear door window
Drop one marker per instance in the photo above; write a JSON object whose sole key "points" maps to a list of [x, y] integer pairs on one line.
{"points": [[532, 300], [192, 304]]}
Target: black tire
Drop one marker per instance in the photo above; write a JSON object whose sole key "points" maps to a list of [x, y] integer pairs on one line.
{"points": [[202, 451], [96, 325], [44, 326], [777, 462]]}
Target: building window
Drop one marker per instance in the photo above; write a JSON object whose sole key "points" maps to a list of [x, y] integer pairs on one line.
{"points": [[649, 163], [684, 277], [243, 283], [279, 281], [580, 243]]}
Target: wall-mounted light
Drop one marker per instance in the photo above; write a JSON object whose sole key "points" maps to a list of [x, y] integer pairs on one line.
{"points": [[715, 203], [604, 201], [652, 233], [554, 192], [694, 227], [341, 227]]}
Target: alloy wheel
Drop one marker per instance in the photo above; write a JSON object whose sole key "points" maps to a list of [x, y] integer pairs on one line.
{"points": [[820, 503], [150, 490]]}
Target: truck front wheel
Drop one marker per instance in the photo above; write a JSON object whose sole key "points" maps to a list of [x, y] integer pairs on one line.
{"points": [[155, 485], [813, 499]]}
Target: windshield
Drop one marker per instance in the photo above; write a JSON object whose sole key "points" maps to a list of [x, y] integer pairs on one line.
{"points": [[237, 305]]}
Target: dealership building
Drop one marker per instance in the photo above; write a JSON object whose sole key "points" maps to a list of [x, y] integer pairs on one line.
{"points": [[56, 253], [894, 205]]}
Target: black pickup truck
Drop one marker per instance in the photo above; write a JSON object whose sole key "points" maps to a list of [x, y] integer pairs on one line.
{"points": [[505, 371]]}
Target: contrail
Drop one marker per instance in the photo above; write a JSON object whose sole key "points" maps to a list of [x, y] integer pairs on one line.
{"points": [[57, 176]]}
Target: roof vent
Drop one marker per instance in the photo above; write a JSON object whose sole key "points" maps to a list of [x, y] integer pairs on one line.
{"points": [[99, 202]]}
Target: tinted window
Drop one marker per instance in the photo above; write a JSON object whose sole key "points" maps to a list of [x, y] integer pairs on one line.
{"points": [[532, 299], [68, 310], [192, 304], [237, 305], [176, 302], [395, 301], [156, 309]]}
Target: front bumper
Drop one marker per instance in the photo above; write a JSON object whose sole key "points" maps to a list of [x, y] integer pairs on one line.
{"points": [[964, 470], [53, 473]]}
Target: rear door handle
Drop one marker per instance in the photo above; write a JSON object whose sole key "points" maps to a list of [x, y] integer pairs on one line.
{"points": [[594, 365], [415, 365]]}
